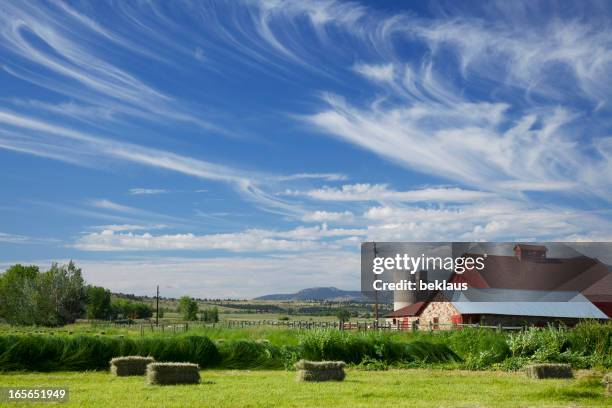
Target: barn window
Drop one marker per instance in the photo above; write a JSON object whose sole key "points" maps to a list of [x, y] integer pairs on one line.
{"points": [[436, 322]]}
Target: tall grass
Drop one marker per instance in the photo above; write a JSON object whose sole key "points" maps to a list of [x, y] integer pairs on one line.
{"points": [[54, 353], [355, 348], [247, 354], [587, 345]]}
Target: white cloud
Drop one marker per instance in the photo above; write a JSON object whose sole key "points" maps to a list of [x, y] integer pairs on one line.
{"points": [[464, 143], [381, 192], [74, 48], [14, 239], [81, 148], [381, 73], [252, 240], [322, 216], [23, 239], [483, 221], [128, 227], [109, 205], [137, 191], [322, 176]]}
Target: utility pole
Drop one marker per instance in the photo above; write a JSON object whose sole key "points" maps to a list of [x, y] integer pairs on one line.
{"points": [[157, 307], [375, 294]]}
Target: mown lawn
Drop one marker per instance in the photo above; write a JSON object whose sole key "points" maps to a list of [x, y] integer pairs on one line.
{"points": [[393, 388]]}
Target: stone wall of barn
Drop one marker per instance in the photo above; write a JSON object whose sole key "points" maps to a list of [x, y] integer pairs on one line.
{"points": [[440, 311]]}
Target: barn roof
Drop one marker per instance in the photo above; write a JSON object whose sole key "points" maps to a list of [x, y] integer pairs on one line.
{"points": [[554, 274], [527, 303], [411, 310], [531, 247]]}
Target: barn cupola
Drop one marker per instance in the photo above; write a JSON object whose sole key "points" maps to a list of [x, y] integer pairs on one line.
{"points": [[527, 252]]}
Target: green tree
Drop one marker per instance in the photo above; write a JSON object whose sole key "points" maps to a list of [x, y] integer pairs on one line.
{"points": [[19, 294], [50, 298], [188, 308], [343, 315], [62, 289], [210, 315], [131, 310], [98, 303]]}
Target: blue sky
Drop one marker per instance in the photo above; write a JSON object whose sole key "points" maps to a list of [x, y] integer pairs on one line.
{"points": [[243, 148]]}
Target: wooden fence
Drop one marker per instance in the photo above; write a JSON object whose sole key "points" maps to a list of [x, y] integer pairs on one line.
{"points": [[357, 326], [151, 327]]}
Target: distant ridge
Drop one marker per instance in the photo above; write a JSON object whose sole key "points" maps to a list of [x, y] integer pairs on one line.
{"points": [[327, 293]]}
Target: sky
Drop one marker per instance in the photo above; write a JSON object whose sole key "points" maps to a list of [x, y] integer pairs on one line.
{"points": [[241, 148]]}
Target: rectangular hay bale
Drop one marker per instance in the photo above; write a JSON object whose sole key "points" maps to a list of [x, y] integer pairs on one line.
{"points": [[541, 371], [319, 365], [320, 370], [321, 375], [130, 365], [173, 373]]}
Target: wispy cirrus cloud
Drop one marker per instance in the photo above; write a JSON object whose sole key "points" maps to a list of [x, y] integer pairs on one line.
{"points": [[64, 42], [128, 227], [147, 191], [24, 239], [82, 148], [252, 240], [14, 239], [527, 136], [494, 120], [497, 219], [382, 193], [320, 176], [328, 216]]}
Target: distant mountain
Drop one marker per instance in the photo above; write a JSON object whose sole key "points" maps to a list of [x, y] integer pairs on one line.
{"points": [[329, 293]]}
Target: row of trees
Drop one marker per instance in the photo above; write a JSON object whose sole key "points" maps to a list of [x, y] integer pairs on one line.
{"points": [[31, 297], [189, 310], [59, 296], [100, 306]]}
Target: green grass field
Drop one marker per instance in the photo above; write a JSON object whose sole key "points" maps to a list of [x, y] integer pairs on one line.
{"points": [[397, 388]]}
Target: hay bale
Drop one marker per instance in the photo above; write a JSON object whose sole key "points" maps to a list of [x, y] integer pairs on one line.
{"points": [[173, 373], [130, 365], [320, 370], [607, 382], [320, 365], [321, 375], [541, 371]]}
